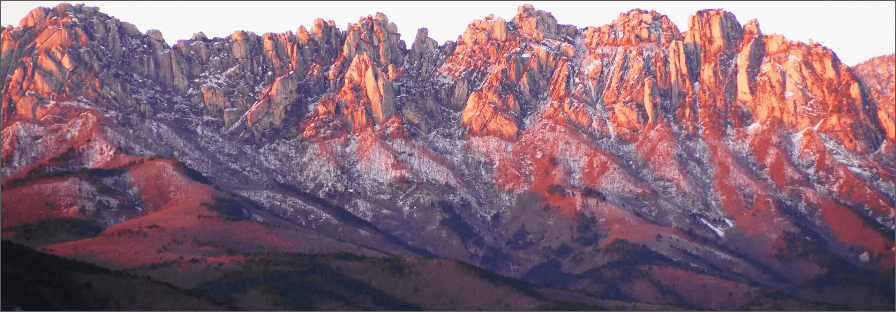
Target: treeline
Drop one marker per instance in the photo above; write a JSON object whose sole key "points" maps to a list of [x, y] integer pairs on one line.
{"points": [[33, 280]]}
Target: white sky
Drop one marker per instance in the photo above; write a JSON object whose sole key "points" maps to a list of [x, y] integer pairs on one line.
{"points": [[856, 31]]}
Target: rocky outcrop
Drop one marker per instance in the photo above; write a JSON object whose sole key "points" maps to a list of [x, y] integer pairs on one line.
{"points": [[220, 73], [718, 135], [631, 29], [371, 60], [515, 70], [491, 110], [420, 95], [806, 85], [269, 111], [39, 64], [878, 75]]}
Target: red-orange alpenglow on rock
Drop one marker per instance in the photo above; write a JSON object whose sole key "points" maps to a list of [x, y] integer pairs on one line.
{"points": [[529, 165]]}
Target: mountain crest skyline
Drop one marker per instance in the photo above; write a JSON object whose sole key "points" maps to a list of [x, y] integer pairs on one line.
{"points": [[543, 155]]}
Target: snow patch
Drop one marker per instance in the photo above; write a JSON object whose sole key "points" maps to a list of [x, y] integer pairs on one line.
{"points": [[713, 228]]}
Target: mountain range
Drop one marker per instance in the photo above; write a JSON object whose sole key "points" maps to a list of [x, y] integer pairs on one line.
{"points": [[528, 165]]}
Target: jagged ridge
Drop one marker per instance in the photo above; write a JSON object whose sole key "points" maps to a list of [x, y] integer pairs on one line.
{"points": [[717, 133]]}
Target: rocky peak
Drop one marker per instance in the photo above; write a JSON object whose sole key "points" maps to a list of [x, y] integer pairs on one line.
{"points": [[321, 45], [538, 24], [484, 36], [721, 134], [200, 36], [155, 35], [324, 33], [716, 30], [506, 68], [361, 78], [323, 30], [424, 53], [751, 30], [56, 15], [805, 85], [38, 62], [479, 32], [33, 17], [633, 28], [377, 37]]}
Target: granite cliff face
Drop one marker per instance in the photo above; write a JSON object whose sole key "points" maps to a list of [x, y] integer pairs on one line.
{"points": [[877, 74], [565, 156]]}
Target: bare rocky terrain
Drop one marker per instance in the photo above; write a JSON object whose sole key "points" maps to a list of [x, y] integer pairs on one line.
{"points": [[528, 165]]}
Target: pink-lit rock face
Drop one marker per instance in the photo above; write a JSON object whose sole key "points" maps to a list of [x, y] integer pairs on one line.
{"points": [[633, 28], [878, 75], [637, 161]]}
